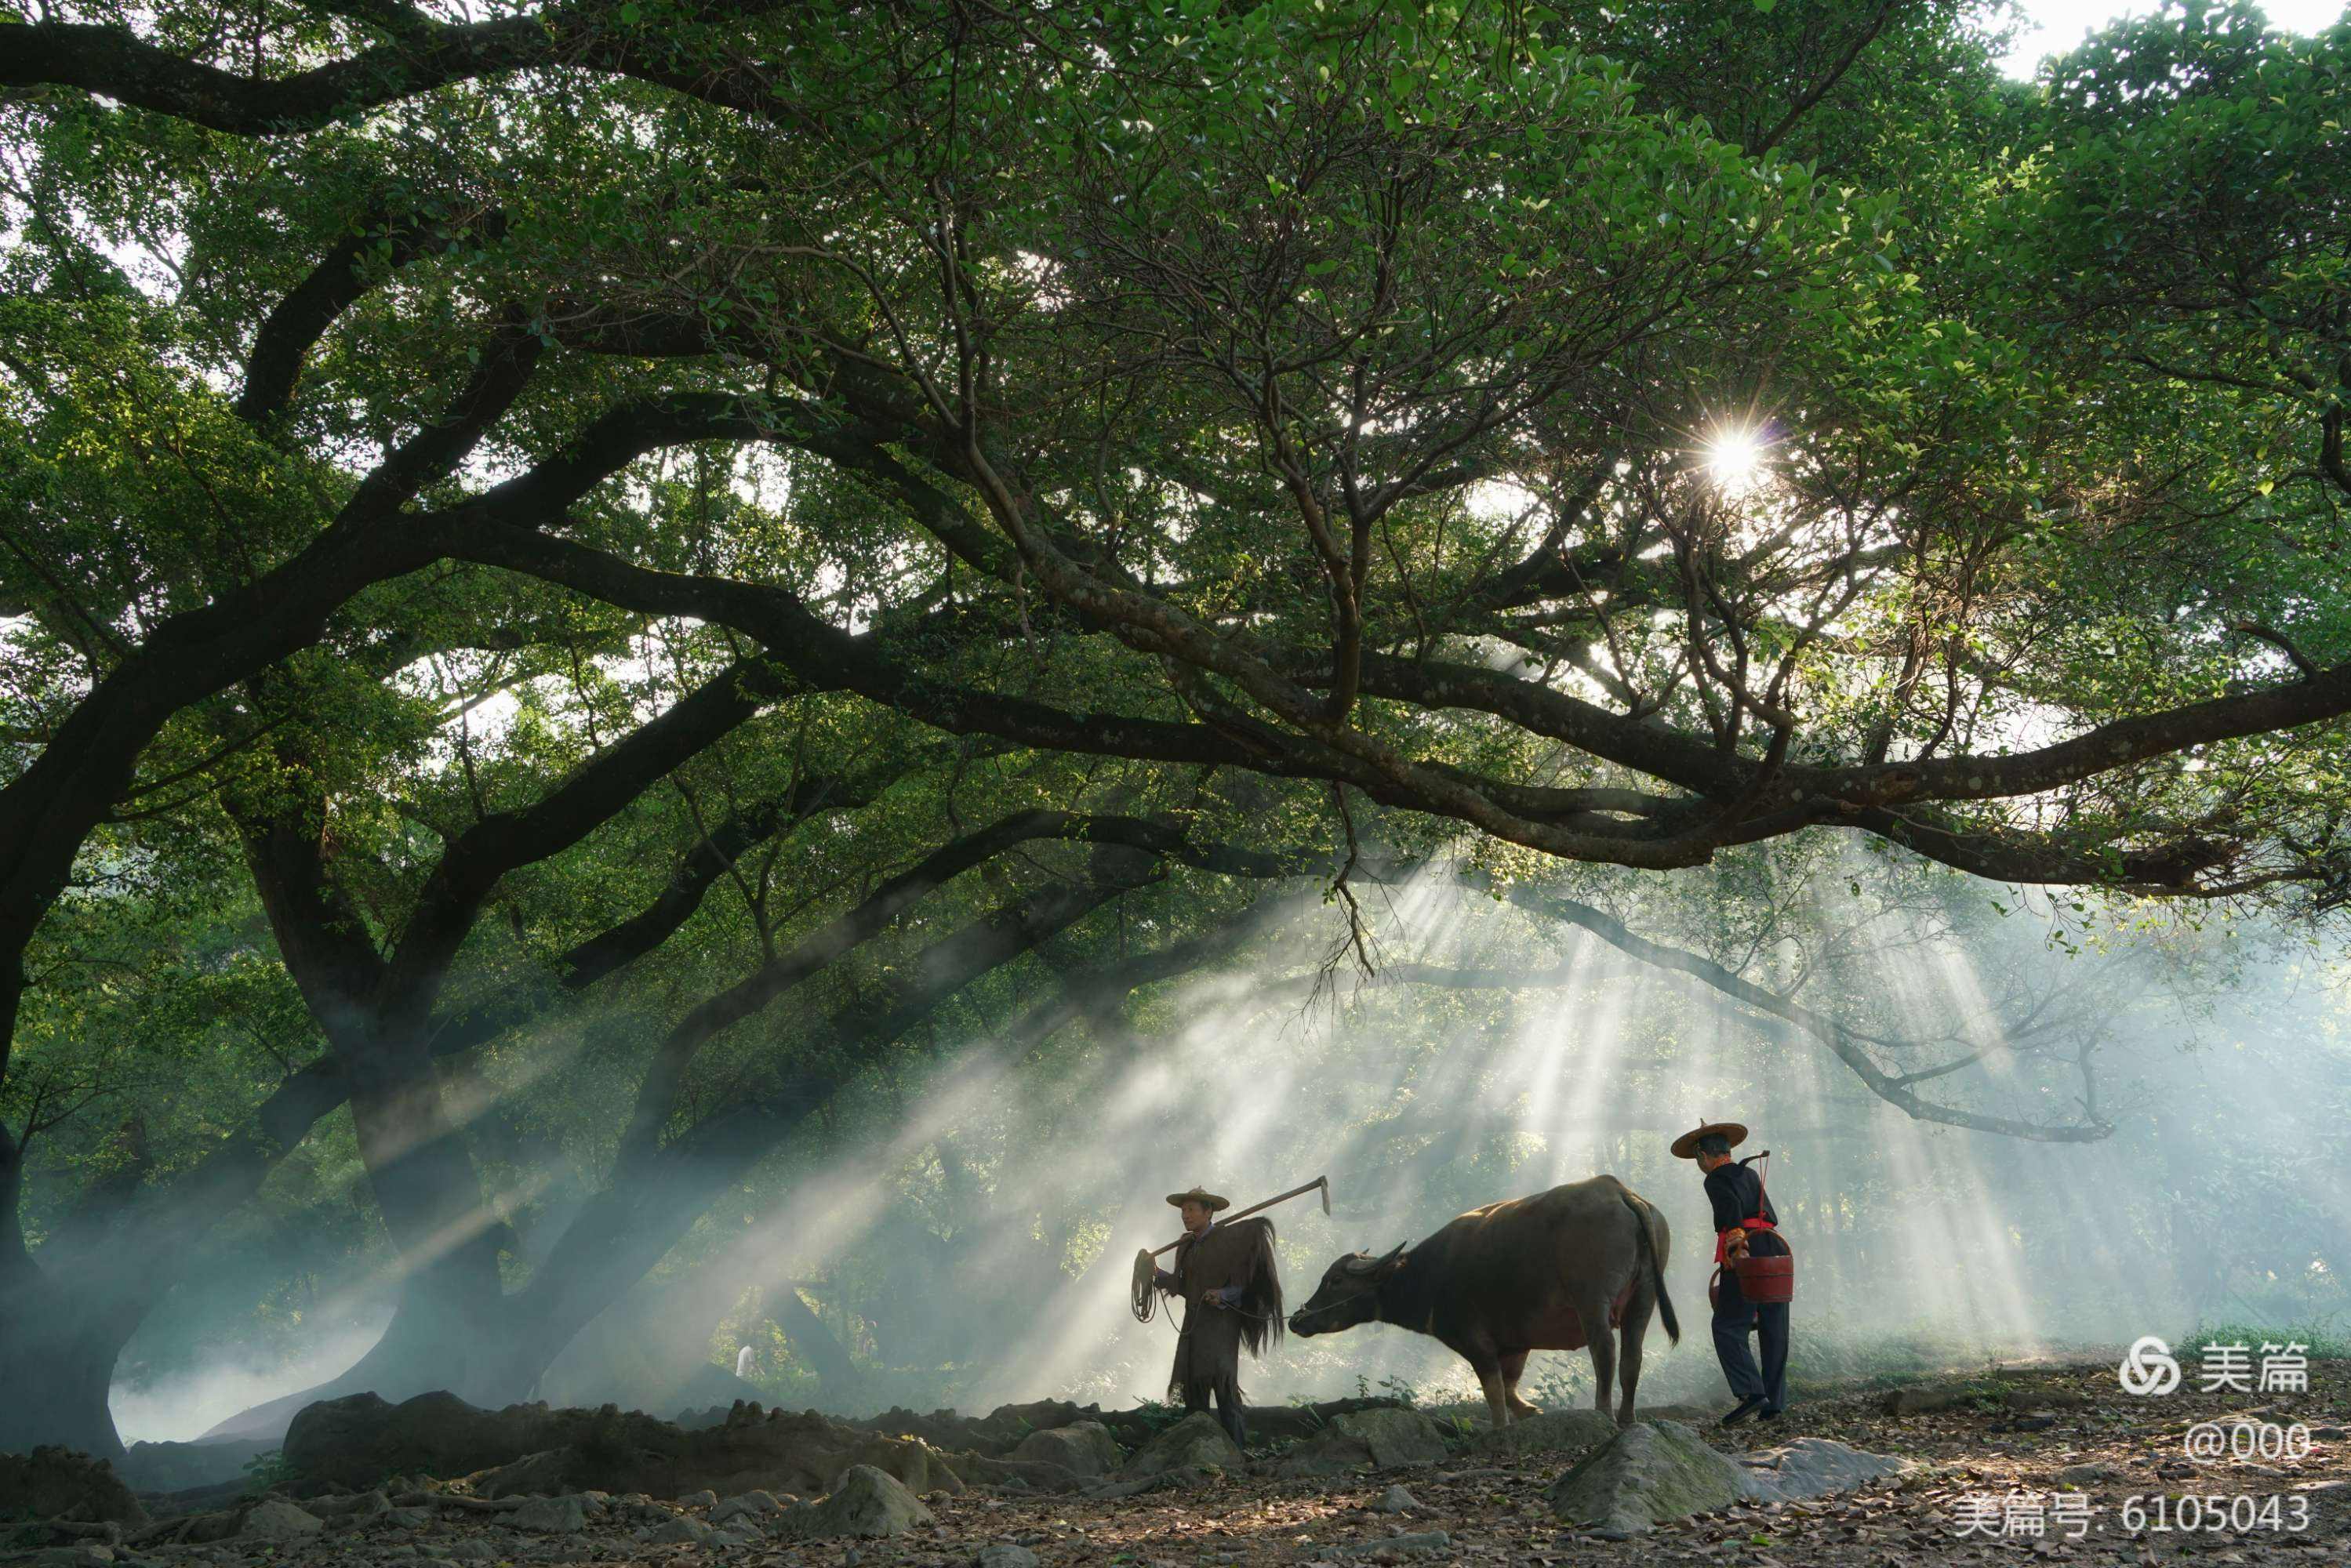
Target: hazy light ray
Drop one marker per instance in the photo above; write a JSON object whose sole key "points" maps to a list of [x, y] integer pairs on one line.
{"points": [[1592, 1047], [1980, 1271], [1572, 1065], [1545, 1039]]}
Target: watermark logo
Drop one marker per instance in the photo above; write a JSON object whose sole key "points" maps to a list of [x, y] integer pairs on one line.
{"points": [[2148, 1368], [2209, 1442], [2284, 1368]]}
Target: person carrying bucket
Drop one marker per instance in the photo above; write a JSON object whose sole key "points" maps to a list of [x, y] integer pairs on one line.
{"points": [[1754, 1270]]}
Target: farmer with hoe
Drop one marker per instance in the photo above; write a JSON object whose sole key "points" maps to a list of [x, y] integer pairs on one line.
{"points": [[1232, 1297]]}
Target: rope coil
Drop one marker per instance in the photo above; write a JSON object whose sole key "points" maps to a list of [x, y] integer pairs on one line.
{"points": [[1144, 1293]]}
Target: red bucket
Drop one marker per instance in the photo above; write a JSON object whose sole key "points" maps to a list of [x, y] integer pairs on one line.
{"points": [[1766, 1280]]}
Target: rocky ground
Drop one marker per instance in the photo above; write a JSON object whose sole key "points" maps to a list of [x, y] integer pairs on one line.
{"points": [[1994, 1453], [2042, 1431]]}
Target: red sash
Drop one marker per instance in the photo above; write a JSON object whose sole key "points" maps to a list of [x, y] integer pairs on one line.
{"points": [[1723, 1239]]}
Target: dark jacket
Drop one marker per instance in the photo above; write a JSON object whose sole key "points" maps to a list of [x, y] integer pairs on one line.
{"points": [[1737, 1194]]}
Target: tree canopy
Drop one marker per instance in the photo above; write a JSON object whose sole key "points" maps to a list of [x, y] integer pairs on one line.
{"points": [[715, 534]]}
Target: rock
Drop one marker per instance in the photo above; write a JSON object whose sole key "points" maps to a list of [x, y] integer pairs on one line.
{"points": [[1327, 1453], [1396, 1500], [59, 1483], [543, 1474], [182, 1467], [1004, 1554], [194, 1529], [911, 1460], [751, 1504], [2045, 1399], [867, 1503], [1395, 1437], [1426, 1540], [279, 1522], [1044, 1415], [1380, 1438], [65, 1533], [706, 1385], [1084, 1448], [1196, 1444], [471, 1550], [1295, 1423], [80, 1554], [1026, 1475], [357, 1441], [2038, 1421], [705, 1499], [681, 1531], [1679, 1411], [549, 1516], [1922, 1400], [1646, 1474], [529, 1448], [354, 1508], [1812, 1466], [1568, 1431]]}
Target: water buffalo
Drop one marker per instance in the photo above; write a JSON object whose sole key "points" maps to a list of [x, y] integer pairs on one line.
{"points": [[1502, 1281]]}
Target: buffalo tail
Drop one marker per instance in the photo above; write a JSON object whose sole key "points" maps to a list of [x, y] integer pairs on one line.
{"points": [[1648, 1251]]}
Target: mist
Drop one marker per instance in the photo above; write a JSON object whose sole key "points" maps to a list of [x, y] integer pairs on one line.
{"points": [[181, 1406], [961, 1236]]}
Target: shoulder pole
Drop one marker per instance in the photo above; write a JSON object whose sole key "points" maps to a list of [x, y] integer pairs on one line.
{"points": [[1322, 1182]]}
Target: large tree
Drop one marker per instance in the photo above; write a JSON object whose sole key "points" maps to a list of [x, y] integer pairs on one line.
{"points": [[1508, 432]]}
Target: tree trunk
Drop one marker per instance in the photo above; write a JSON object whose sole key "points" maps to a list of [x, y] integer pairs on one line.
{"points": [[66, 1313], [454, 1330], [58, 1350], [625, 1230], [447, 1327], [813, 1342], [451, 1331]]}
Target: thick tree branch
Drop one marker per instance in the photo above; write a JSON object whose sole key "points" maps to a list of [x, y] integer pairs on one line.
{"points": [[665, 1077], [595, 792], [289, 332], [587, 35], [1805, 101]]}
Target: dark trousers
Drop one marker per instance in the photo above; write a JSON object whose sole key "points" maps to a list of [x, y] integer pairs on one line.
{"points": [[1735, 1317], [1208, 1362], [1229, 1407]]}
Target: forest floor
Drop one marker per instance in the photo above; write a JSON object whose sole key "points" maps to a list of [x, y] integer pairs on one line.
{"points": [[1496, 1513], [1988, 1465]]}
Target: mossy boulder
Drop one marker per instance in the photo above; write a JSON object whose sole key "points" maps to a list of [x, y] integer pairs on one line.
{"points": [[1383, 1439], [867, 1503], [1084, 1448], [1645, 1475], [1196, 1444]]}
